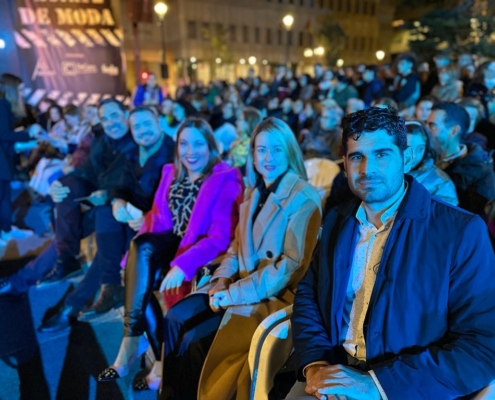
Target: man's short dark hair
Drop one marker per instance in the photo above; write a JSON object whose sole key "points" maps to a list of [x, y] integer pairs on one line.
{"points": [[371, 120], [429, 98], [410, 57], [111, 100], [259, 103], [372, 68], [455, 114], [151, 110]]}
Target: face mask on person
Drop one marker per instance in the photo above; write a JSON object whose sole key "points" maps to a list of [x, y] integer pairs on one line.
{"points": [[490, 83]]}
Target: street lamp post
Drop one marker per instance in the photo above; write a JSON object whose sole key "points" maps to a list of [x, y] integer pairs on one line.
{"points": [[161, 9], [380, 55], [288, 20]]}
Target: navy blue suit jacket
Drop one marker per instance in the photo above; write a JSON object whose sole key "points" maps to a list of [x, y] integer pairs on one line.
{"points": [[430, 326]]}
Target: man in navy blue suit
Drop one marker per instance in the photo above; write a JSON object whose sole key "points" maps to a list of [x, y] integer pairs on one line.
{"points": [[399, 302]]}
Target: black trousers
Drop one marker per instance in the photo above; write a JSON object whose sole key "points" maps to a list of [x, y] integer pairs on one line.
{"points": [[5, 206], [189, 328], [148, 262], [71, 224]]}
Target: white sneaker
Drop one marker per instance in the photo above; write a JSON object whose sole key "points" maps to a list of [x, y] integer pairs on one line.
{"points": [[16, 233]]}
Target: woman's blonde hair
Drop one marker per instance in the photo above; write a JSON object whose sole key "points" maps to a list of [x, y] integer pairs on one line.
{"points": [[9, 89], [205, 129], [280, 130]]}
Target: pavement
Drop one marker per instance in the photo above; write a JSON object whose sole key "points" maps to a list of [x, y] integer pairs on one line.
{"points": [[63, 365]]}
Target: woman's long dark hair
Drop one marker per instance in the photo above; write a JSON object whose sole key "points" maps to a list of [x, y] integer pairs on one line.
{"points": [[205, 129], [9, 89]]}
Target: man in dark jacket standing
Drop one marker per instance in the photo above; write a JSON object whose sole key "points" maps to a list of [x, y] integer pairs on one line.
{"points": [[399, 302], [468, 165]]}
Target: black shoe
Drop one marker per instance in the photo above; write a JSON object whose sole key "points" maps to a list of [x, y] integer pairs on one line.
{"points": [[7, 290], [139, 383], [111, 296], [64, 268], [60, 321], [109, 374]]}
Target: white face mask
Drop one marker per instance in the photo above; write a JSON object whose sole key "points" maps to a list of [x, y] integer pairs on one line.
{"points": [[490, 83]]}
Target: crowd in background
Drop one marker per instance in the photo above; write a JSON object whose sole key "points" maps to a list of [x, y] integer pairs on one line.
{"points": [[160, 183]]}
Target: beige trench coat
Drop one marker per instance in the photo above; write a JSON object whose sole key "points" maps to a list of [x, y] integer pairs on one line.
{"points": [[266, 261]]}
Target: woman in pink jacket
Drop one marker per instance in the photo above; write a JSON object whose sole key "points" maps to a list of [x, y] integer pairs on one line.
{"points": [[194, 215]]}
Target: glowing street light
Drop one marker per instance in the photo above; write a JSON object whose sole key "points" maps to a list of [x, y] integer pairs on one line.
{"points": [[308, 53], [288, 20], [252, 60], [242, 61], [319, 51], [380, 55], [2, 44], [218, 60], [340, 62], [265, 62], [160, 9], [193, 59]]}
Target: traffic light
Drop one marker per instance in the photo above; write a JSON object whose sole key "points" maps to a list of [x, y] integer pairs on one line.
{"points": [[145, 75]]}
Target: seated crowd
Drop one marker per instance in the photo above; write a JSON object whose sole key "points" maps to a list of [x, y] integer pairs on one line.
{"points": [[364, 196]]}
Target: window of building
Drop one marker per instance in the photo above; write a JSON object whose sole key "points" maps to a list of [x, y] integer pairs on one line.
{"points": [[218, 29], [257, 35], [289, 38], [233, 33], [245, 34], [348, 6], [371, 42], [268, 36], [354, 43], [191, 30], [280, 40], [205, 28], [321, 3], [356, 6], [365, 7], [301, 38], [372, 8], [363, 43], [310, 40], [339, 5], [330, 4]]}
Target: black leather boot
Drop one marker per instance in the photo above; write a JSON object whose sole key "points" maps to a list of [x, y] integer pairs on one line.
{"points": [[111, 296], [60, 321]]}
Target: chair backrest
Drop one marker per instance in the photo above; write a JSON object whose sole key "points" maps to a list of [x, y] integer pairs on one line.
{"points": [[321, 173], [270, 348]]}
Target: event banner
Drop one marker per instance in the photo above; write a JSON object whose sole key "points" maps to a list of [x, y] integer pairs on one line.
{"points": [[68, 50]]}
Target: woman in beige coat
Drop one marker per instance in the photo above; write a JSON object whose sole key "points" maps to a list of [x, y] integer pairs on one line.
{"points": [[209, 333]]}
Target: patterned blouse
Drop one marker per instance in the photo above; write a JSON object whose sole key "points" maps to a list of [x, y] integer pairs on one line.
{"points": [[181, 201]]}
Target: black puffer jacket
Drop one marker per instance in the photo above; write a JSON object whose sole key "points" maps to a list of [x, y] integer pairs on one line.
{"points": [[473, 178]]}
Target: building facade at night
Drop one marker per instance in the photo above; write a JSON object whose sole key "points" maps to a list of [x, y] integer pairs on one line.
{"points": [[219, 38]]}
